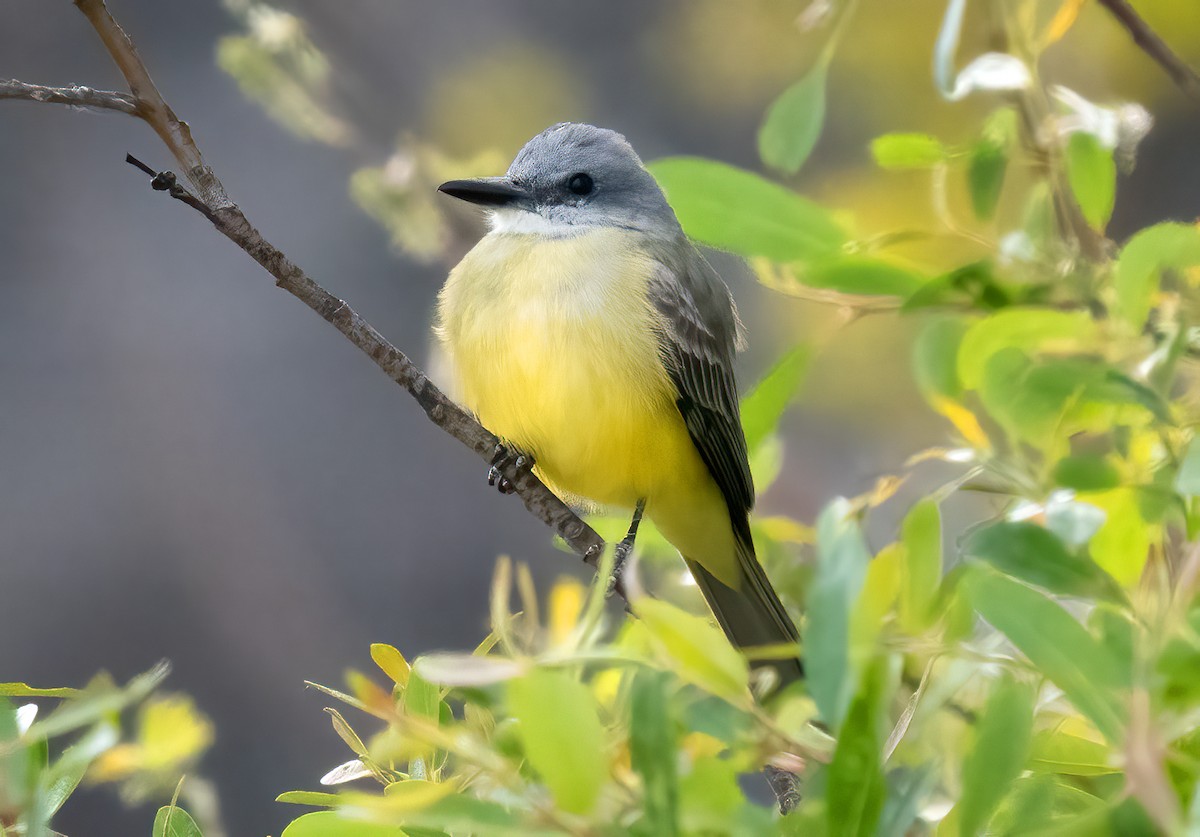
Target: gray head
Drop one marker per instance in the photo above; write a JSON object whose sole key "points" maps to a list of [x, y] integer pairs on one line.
{"points": [[570, 177]]}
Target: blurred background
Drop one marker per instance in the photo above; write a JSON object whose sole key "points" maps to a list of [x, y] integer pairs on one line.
{"points": [[194, 466]]}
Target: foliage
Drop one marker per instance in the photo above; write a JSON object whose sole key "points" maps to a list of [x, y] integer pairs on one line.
{"points": [[1033, 672], [44, 759], [1037, 674]]}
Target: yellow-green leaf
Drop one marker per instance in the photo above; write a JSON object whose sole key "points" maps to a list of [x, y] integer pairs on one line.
{"points": [[333, 824], [907, 151], [1142, 261], [391, 662], [697, 650], [733, 209], [1122, 544], [921, 569], [563, 739], [1027, 329], [763, 406]]}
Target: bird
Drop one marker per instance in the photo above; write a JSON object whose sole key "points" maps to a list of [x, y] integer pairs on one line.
{"points": [[592, 337]]}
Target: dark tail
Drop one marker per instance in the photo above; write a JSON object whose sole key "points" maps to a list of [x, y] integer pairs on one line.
{"points": [[752, 616]]}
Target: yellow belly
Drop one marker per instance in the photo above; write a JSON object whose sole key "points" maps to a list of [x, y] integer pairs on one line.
{"points": [[554, 345]]}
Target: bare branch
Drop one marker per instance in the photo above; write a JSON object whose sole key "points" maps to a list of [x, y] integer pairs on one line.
{"points": [[233, 224], [174, 133], [1179, 70], [84, 97]]}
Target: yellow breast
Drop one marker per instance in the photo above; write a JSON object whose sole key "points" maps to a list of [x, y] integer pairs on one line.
{"points": [[554, 344]]}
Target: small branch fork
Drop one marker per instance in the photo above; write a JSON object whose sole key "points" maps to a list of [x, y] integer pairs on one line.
{"points": [[212, 201]]}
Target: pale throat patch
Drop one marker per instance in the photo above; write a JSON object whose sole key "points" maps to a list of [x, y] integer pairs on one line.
{"points": [[531, 223]]}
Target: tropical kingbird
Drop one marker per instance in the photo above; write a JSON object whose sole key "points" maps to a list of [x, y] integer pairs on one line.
{"points": [[589, 334]]}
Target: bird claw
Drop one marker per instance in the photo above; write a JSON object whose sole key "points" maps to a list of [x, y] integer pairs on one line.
{"points": [[502, 456]]}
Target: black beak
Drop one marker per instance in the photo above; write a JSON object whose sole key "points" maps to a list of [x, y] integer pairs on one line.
{"points": [[489, 191]]}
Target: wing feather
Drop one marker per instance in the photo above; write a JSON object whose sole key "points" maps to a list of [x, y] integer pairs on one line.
{"points": [[698, 341]]}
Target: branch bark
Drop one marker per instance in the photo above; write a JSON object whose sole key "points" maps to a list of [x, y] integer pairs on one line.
{"points": [[1179, 70], [76, 95], [148, 104]]}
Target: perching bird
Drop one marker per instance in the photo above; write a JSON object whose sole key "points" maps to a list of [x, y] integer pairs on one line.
{"points": [[590, 335]]}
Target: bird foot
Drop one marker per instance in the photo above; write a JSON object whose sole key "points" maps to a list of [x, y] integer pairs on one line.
{"points": [[621, 553], [501, 457]]}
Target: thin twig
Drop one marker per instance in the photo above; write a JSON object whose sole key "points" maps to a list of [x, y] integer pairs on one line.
{"points": [[225, 215], [83, 97], [1186, 78]]}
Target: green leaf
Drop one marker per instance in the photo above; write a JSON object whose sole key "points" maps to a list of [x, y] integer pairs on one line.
{"points": [[97, 702], [346, 732], [1058, 751], [1045, 400], [921, 569], [935, 358], [1188, 480], [998, 756], [173, 821], [1029, 552], [1084, 472], [710, 796], [696, 649], [25, 690], [422, 698], [562, 735], [716, 717], [793, 123], [462, 814], [908, 792], [971, 285], [653, 750], [841, 570], [763, 406], [1093, 178], [333, 824], [1086, 671], [1118, 388], [66, 773], [1027, 329], [1122, 545], [852, 274], [736, 210], [765, 464], [1030, 410], [907, 151], [14, 758], [985, 176], [1141, 262], [317, 798], [856, 787], [1044, 806]]}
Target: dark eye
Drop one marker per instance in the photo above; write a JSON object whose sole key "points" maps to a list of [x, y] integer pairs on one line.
{"points": [[580, 184]]}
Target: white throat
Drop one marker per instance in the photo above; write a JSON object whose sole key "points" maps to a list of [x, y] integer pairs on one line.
{"points": [[523, 222]]}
